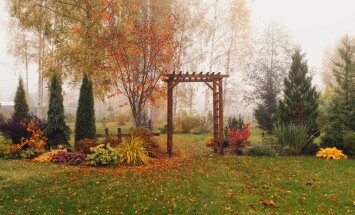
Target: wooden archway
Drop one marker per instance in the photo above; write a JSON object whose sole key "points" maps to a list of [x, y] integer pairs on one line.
{"points": [[214, 82]]}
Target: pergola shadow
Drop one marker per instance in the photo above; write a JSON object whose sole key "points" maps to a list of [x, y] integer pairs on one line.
{"points": [[214, 82]]}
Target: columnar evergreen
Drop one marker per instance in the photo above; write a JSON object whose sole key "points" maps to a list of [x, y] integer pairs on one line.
{"points": [[56, 131], [300, 102], [21, 106], [85, 114]]}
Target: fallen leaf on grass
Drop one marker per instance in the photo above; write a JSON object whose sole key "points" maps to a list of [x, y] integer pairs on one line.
{"points": [[266, 187], [270, 203]]}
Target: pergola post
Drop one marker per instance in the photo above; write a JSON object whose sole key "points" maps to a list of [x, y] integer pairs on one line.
{"points": [[220, 110], [170, 119], [215, 118]]}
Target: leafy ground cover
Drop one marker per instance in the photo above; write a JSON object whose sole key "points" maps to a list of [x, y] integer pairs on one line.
{"points": [[195, 181]]}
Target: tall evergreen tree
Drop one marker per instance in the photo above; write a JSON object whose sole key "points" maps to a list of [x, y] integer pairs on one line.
{"points": [[21, 106], [85, 114], [342, 109], [344, 73], [300, 102], [265, 109], [56, 131]]}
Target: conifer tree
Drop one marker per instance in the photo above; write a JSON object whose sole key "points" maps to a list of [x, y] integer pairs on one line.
{"points": [[56, 131], [21, 106], [342, 107], [344, 73], [300, 102], [266, 108], [85, 114]]}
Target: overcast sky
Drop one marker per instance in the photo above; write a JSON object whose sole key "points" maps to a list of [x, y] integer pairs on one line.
{"points": [[314, 24]]}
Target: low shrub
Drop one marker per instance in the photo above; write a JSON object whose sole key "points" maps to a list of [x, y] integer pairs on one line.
{"points": [[349, 143], [239, 138], [209, 141], [190, 123], [310, 149], [259, 149], [267, 139], [292, 135], [15, 130], [331, 153], [84, 145], [149, 142], [47, 156], [5, 144], [133, 151], [30, 153], [103, 155], [112, 141], [71, 158], [164, 129], [343, 141], [233, 123]]}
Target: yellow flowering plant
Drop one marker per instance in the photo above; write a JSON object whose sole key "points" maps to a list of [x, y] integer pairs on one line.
{"points": [[331, 153]]}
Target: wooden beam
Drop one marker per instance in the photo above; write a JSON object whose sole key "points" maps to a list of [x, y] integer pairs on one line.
{"points": [[215, 121], [169, 144], [208, 85], [209, 76], [220, 110], [173, 83]]}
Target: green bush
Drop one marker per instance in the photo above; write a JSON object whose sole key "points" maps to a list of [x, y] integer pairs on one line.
{"points": [[103, 155], [345, 142], [30, 153], [292, 135], [190, 123], [349, 143], [132, 151], [259, 149], [5, 144], [149, 142], [310, 149], [164, 129]]}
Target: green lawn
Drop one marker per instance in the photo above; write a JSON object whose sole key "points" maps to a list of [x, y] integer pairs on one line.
{"points": [[195, 181]]}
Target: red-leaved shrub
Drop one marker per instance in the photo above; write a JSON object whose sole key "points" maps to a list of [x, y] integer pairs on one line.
{"points": [[239, 138]]}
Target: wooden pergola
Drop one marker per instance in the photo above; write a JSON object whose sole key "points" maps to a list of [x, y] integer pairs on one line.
{"points": [[214, 82]]}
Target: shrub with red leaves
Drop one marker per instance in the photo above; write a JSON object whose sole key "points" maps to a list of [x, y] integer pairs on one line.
{"points": [[239, 138]]}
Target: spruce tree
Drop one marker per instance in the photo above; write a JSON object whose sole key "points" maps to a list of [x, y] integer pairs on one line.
{"points": [[344, 73], [300, 102], [85, 114], [21, 106], [342, 109], [266, 109], [56, 131]]}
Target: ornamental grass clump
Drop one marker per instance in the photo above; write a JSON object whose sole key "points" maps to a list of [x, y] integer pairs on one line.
{"points": [[292, 135], [331, 153], [132, 151]]}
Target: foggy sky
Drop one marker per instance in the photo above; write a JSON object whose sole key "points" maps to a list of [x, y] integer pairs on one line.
{"points": [[315, 25]]}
